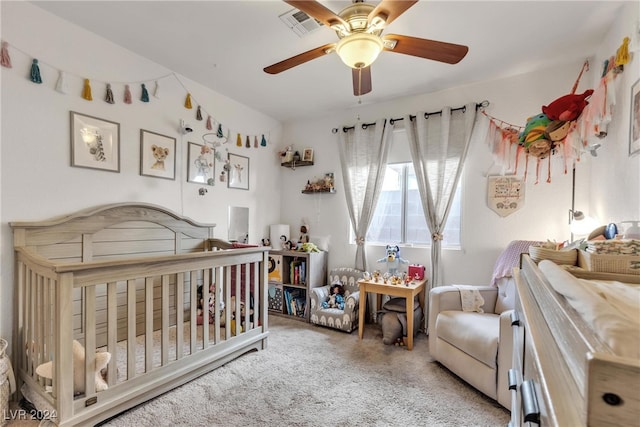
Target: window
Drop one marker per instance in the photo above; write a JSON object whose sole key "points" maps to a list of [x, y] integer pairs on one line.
{"points": [[399, 217]]}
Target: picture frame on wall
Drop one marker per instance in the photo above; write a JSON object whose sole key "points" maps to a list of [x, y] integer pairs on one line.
{"points": [[157, 155], [238, 172], [634, 124], [201, 166], [95, 143], [307, 155]]}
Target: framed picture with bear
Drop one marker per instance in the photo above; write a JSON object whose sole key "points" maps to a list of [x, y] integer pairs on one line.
{"points": [[157, 155], [95, 143]]}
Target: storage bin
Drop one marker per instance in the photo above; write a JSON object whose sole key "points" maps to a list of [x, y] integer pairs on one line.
{"points": [[605, 263], [7, 382], [539, 253]]}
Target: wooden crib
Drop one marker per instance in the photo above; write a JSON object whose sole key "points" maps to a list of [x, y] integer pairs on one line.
{"points": [[127, 279]]}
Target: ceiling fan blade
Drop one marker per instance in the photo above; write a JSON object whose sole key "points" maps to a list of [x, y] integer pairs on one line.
{"points": [[318, 11], [391, 8], [430, 49], [361, 80], [299, 59]]}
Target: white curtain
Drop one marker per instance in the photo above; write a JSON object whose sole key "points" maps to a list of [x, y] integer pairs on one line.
{"points": [[439, 145], [363, 156]]}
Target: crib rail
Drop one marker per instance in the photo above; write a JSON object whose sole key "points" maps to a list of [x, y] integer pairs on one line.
{"points": [[145, 312]]}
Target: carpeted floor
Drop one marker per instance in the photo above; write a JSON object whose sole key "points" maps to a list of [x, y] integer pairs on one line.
{"points": [[314, 376]]}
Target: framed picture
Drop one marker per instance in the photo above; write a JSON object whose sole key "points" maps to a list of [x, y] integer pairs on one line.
{"points": [[307, 155], [157, 155], [95, 143], [238, 172], [201, 166], [634, 125]]}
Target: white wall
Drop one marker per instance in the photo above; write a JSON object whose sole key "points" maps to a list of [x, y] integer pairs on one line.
{"points": [[485, 234], [36, 177], [615, 179]]}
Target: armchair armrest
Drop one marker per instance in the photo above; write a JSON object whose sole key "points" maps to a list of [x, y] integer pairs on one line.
{"points": [[318, 296], [351, 303]]}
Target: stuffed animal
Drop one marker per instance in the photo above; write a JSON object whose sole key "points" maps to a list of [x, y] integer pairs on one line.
{"points": [[336, 296], [393, 259], [567, 107], [534, 137], [211, 306], [45, 370], [308, 247]]}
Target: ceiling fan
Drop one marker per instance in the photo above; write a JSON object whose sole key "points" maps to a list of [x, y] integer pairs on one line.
{"points": [[359, 27]]}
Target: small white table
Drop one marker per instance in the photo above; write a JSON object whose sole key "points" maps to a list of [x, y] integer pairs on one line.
{"points": [[380, 288]]}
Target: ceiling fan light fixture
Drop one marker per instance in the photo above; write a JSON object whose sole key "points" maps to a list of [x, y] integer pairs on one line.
{"points": [[359, 50]]}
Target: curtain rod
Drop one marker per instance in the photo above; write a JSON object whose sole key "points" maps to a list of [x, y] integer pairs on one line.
{"points": [[480, 105]]}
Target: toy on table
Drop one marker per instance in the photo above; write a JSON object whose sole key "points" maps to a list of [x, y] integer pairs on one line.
{"points": [[393, 259], [336, 296]]}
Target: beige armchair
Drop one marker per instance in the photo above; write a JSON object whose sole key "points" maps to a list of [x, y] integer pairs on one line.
{"points": [[478, 346]]}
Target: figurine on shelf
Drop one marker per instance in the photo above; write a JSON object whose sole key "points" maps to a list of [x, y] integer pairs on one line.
{"points": [[304, 230]]}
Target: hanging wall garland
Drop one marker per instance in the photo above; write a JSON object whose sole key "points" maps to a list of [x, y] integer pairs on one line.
{"points": [[62, 87], [562, 127]]}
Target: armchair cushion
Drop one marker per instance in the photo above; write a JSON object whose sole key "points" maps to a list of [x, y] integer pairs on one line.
{"points": [[474, 333]]}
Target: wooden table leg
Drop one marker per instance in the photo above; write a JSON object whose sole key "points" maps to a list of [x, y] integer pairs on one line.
{"points": [[409, 300], [362, 309]]}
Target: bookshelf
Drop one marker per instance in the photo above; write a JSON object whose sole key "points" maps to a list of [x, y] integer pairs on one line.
{"points": [[291, 276]]}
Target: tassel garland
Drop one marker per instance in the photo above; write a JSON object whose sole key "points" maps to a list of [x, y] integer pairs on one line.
{"points": [[86, 91], [109, 96], [35, 72], [127, 94], [5, 59], [61, 84], [145, 94]]}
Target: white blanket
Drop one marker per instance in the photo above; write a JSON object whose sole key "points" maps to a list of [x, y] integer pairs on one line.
{"points": [[470, 298], [612, 309]]}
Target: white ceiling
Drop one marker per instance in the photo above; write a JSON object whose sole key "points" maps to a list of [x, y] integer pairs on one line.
{"points": [[225, 45]]}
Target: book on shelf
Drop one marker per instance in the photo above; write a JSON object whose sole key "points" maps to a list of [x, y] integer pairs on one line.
{"points": [[297, 273], [295, 301]]}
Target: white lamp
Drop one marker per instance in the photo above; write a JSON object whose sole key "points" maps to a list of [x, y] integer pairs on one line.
{"points": [[359, 50]]}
